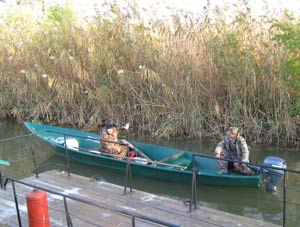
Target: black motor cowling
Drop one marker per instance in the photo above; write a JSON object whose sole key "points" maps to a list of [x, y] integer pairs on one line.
{"points": [[273, 175]]}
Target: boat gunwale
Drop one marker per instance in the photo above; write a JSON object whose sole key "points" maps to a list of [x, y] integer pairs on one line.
{"points": [[154, 165], [157, 165]]}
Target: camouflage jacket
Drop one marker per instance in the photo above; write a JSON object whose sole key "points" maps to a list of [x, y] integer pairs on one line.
{"points": [[236, 147], [110, 141]]}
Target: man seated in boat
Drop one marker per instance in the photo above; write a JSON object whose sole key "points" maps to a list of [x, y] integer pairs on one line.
{"points": [[233, 147], [110, 143]]}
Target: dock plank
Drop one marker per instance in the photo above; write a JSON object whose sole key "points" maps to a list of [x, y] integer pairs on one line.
{"points": [[110, 196]]}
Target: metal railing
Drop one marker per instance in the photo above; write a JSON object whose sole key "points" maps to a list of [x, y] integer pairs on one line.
{"points": [[128, 177], [132, 215], [128, 180], [193, 199], [128, 174]]}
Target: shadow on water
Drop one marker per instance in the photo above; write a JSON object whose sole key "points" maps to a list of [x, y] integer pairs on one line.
{"points": [[249, 202]]}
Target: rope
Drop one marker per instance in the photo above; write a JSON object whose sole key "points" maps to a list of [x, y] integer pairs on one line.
{"points": [[16, 137]]}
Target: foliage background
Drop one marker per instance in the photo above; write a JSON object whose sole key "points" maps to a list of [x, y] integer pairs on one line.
{"points": [[193, 76]]}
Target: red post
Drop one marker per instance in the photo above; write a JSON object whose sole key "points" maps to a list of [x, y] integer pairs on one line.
{"points": [[37, 209]]}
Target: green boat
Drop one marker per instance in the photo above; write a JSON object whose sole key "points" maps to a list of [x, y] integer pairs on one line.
{"points": [[158, 162]]}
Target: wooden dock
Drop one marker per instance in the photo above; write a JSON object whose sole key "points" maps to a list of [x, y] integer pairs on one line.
{"points": [[110, 196]]}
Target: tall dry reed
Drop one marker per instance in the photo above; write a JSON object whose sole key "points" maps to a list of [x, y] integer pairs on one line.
{"points": [[193, 77]]}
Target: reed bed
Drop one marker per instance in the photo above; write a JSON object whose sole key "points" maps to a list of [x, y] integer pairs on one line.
{"points": [[193, 77]]}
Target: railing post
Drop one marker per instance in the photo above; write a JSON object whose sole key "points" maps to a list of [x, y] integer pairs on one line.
{"points": [[67, 155], [133, 221], [1, 179], [194, 188], [284, 200], [33, 156], [69, 221], [17, 204], [128, 177]]}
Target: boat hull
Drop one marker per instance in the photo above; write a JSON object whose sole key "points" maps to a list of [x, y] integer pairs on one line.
{"points": [[87, 153]]}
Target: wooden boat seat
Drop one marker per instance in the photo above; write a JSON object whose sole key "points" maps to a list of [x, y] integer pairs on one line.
{"points": [[173, 156], [178, 159], [184, 162]]}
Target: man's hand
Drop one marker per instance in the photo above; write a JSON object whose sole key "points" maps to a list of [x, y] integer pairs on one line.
{"points": [[243, 165], [218, 151], [126, 126], [125, 142]]}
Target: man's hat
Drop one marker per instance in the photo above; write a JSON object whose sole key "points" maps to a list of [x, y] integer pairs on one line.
{"points": [[110, 126], [233, 130]]}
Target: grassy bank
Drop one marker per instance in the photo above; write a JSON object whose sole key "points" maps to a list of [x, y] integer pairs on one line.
{"points": [[193, 78]]}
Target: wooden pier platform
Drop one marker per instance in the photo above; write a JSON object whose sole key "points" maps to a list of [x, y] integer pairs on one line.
{"points": [[110, 196]]}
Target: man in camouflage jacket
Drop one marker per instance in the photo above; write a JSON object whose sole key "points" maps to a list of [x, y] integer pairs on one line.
{"points": [[233, 147], [110, 143]]}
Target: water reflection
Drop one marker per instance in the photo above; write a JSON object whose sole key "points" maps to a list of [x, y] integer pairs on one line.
{"points": [[250, 202], [18, 151]]}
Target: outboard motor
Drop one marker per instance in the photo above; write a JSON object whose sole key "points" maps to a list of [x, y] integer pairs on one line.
{"points": [[273, 176]]}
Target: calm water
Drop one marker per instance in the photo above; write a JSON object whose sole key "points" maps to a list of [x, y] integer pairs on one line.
{"points": [[253, 203]]}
